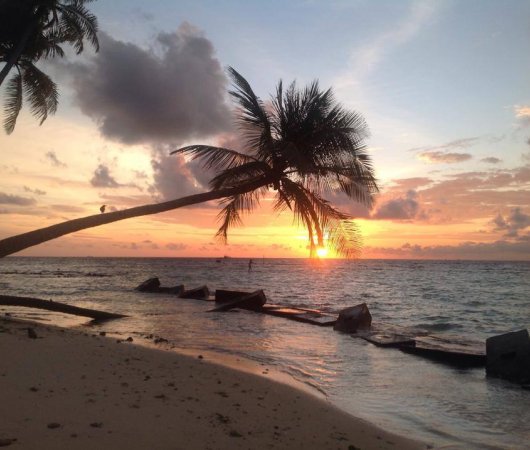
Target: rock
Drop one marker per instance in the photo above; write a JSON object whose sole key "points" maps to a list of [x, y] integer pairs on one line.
{"points": [[199, 293], [224, 296], [6, 442], [177, 290], [102, 333], [150, 285], [508, 356], [129, 339], [354, 318], [32, 334], [96, 424], [54, 425], [253, 301]]}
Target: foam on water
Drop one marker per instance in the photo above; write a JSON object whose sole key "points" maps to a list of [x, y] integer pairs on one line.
{"points": [[473, 300]]}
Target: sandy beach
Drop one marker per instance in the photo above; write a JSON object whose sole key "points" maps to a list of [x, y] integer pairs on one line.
{"points": [[79, 390]]}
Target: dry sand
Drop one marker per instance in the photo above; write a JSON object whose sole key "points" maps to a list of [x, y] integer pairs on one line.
{"points": [[69, 389]]}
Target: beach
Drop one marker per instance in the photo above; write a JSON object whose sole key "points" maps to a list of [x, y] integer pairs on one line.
{"points": [[77, 389]]}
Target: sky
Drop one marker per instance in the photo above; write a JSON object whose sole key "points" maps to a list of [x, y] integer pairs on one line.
{"points": [[443, 85]]}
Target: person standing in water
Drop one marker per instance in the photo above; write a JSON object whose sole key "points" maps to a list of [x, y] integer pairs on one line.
{"points": [[249, 265]]}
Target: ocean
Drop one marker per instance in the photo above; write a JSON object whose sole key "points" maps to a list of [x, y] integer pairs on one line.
{"points": [[446, 406]]}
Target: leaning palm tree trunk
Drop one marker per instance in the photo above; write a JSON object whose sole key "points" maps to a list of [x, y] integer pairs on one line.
{"points": [[22, 241], [30, 302]]}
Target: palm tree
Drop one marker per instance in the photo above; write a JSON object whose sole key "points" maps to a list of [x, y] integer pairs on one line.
{"points": [[35, 29], [303, 145]]}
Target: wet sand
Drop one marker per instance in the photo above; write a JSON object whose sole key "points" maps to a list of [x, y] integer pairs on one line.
{"points": [[78, 390]]}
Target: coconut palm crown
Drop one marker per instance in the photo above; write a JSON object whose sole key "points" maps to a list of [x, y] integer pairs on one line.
{"points": [[303, 145], [35, 29]]}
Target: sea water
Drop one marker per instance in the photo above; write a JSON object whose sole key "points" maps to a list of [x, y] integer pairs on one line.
{"points": [[446, 406]]}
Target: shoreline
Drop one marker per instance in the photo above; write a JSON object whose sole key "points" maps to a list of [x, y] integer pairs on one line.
{"points": [[72, 388]]}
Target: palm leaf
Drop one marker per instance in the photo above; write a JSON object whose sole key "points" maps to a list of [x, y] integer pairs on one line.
{"points": [[230, 215], [13, 102], [41, 91], [319, 215], [345, 238], [238, 175], [253, 117], [218, 158]]}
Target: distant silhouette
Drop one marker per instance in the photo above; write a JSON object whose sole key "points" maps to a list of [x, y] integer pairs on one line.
{"points": [[250, 265], [102, 209]]}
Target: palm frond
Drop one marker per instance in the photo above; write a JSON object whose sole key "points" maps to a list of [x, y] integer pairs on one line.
{"points": [[218, 158], [40, 90], [239, 175], [230, 215], [78, 24], [13, 102], [345, 238], [319, 215], [253, 117]]}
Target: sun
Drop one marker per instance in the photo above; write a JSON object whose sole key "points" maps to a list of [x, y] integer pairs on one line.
{"points": [[322, 252]]}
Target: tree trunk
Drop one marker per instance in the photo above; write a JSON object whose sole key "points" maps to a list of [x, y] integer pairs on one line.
{"points": [[20, 242], [29, 302], [17, 51]]}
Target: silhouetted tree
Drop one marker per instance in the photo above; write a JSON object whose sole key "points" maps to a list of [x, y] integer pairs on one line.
{"points": [[35, 29], [303, 146]]}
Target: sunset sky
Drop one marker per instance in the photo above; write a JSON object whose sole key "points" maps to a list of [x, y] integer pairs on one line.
{"points": [[443, 85]]}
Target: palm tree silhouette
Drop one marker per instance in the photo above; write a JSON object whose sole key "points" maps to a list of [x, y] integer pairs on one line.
{"points": [[35, 29], [303, 145]]}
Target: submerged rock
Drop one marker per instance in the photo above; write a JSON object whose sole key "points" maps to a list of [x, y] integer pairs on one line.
{"points": [[200, 293], [150, 285], [508, 356], [354, 318], [177, 290]]}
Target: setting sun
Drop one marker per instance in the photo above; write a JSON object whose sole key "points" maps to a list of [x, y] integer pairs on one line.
{"points": [[322, 252]]}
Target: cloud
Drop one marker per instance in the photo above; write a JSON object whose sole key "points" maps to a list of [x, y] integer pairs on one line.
{"points": [[491, 160], [176, 247], [440, 153], [468, 195], [168, 93], [522, 112], [34, 191], [172, 177], [442, 157], [67, 208], [411, 183], [406, 208], [8, 199], [103, 179], [52, 158], [515, 222], [364, 60], [498, 250]]}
